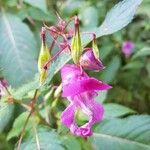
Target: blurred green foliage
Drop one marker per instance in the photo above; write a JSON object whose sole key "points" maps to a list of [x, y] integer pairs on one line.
{"points": [[20, 25]]}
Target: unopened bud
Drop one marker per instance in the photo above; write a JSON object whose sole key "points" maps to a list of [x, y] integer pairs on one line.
{"points": [[88, 60], [95, 48], [76, 46], [43, 58]]}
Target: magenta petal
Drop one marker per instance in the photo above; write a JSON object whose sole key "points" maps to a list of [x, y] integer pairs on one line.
{"points": [[88, 61], [127, 48], [81, 131], [67, 117], [90, 107], [90, 84], [71, 73], [3, 84], [87, 105], [80, 90], [98, 112]]}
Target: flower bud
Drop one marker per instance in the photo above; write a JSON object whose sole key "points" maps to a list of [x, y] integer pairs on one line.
{"points": [[95, 48], [76, 46], [43, 75], [88, 60], [44, 56]]}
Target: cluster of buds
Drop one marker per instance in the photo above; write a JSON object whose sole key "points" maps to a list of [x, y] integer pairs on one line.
{"points": [[77, 86]]}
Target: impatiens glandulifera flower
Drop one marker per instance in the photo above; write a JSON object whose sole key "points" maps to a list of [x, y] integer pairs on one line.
{"points": [[88, 60], [80, 90], [44, 56], [76, 46], [127, 48]]}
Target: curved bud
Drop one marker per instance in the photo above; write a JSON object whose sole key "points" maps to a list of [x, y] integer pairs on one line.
{"points": [[88, 60]]}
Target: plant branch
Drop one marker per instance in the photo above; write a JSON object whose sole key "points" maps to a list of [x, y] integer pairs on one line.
{"points": [[33, 101], [11, 99], [23, 130]]}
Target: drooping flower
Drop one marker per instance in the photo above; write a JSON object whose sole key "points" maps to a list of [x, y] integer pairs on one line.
{"points": [[127, 48], [80, 90], [88, 60]]}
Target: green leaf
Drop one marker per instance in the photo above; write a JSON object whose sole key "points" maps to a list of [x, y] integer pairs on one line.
{"points": [[71, 143], [111, 70], [48, 140], [132, 133], [144, 8], [89, 16], [101, 96], [39, 15], [17, 50], [118, 17], [41, 4], [141, 53], [6, 112], [71, 7], [105, 50], [133, 65], [115, 110], [22, 91], [11, 3], [18, 126]]}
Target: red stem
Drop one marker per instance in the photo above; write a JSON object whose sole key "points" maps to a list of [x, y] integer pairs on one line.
{"points": [[55, 56]]}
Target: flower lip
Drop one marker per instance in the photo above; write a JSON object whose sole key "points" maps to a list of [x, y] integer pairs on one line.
{"points": [[77, 87], [86, 103]]}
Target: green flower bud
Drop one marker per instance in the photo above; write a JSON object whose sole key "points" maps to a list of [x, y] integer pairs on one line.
{"points": [[76, 47], [95, 49], [44, 56]]}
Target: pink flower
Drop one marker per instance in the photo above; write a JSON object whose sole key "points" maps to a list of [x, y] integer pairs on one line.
{"points": [[88, 60], [127, 48], [80, 90], [3, 84]]}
